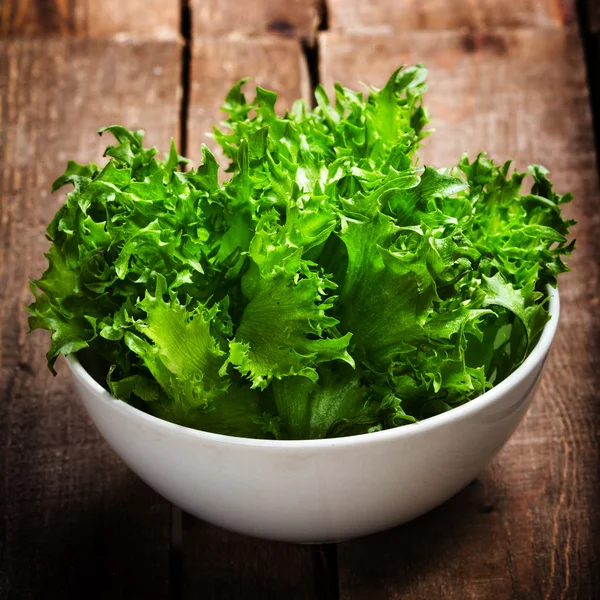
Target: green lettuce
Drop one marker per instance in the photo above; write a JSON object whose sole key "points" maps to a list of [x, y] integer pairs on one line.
{"points": [[329, 286]]}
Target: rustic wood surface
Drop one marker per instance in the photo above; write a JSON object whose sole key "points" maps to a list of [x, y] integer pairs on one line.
{"points": [[151, 19], [593, 16], [76, 522], [292, 19], [590, 28], [220, 565], [486, 91], [388, 15]]}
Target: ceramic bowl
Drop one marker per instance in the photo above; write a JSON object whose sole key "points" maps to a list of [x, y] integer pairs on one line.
{"points": [[317, 490]]}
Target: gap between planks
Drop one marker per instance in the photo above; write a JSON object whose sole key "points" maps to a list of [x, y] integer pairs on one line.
{"points": [[590, 39]]}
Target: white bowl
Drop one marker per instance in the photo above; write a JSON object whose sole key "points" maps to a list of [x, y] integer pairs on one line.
{"points": [[318, 490]]}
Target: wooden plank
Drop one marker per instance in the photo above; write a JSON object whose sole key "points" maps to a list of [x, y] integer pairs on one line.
{"points": [[291, 19], [530, 527], [388, 15], [486, 91], [89, 18], [218, 62], [76, 522], [219, 565]]}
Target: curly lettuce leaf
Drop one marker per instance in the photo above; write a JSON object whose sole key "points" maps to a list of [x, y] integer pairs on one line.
{"points": [[330, 286], [281, 333], [335, 404], [184, 356]]}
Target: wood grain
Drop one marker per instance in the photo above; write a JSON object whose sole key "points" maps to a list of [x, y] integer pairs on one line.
{"points": [[530, 527], [90, 18], [388, 15], [219, 565], [290, 19], [76, 522], [219, 62]]}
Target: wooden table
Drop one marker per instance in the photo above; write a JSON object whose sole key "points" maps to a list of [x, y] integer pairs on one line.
{"points": [[512, 80]]}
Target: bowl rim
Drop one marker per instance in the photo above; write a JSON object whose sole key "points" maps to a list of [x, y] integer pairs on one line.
{"points": [[455, 414]]}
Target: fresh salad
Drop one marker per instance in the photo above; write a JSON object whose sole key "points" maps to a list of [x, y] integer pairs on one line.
{"points": [[328, 286]]}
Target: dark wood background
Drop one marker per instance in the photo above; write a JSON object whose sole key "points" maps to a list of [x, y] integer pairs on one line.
{"points": [[507, 77]]}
